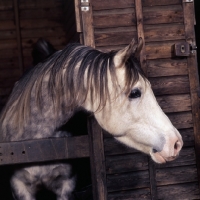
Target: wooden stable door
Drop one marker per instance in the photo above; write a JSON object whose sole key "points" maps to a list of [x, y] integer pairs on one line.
{"points": [[169, 60]]}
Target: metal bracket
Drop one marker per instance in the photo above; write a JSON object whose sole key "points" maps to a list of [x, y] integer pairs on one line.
{"points": [[188, 1], [85, 5]]}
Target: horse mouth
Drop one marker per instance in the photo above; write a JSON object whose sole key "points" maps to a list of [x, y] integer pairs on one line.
{"points": [[158, 158]]}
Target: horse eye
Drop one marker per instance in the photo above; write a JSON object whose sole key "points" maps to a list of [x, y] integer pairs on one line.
{"points": [[136, 93]]}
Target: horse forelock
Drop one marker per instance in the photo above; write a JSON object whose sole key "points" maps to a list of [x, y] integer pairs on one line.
{"points": [[72, 73]]}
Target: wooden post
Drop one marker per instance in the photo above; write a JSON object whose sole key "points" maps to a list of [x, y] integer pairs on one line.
{"points": [[140, 33], [188, 9], [19, 42], [97, 160]]}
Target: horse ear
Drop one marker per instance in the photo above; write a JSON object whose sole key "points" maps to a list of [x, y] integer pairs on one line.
{"points": [[123, 55]]}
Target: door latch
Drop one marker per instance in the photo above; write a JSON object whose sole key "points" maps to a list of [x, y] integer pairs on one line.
{"points": [[85, 5], [184, 49]]}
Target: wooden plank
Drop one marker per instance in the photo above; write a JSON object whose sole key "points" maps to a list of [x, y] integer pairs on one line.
{"points": [[193, 76], [107, 19], [55, 13], [188, 137], [30, 4], [8, 34], [113, 147], [175, 103], [126, 163], [7, 25], [88, 30], [114, 38], [175, 175], [160, 3], [6, 5], [111, 4], [43, 150], [42, 23], [18, 34], [164, 32], [6, 15], [157, 50], [181, 191], [78, 16], [170, 85], [167, 67], [140, 33], [9, 73], [136, 194], [181, 120], [97, 160], [8, 44], [163, 14], [128, 181]]}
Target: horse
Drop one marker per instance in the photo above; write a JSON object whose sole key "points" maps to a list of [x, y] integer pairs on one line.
{"points": [[110, 85]]}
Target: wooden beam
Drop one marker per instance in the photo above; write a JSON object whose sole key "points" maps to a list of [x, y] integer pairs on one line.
{"points": [[43, 150], [188, 9], [140, 32], [97, 160], [19, 42]]}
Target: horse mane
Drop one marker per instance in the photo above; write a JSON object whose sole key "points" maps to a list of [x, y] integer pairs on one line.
{"points": [[66, 70]]}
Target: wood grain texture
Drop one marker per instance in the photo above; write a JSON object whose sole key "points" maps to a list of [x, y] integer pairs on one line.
{"points": [[126, 163], [167, 67], [175, 103], [179, 191], [163, 14], [136, 194], [128, 181], [170, 85], [107, 19], [175, 175], [160, 3]]}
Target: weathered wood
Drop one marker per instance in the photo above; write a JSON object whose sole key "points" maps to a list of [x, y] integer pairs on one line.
{"points": [[8, 34], [140, 33], [170, 85], [164, 32], [43, 150], [193, 76], [181, 120], [78, 16], [175, 103], [112, 4], [30, 4], [97, 160], [6, 15], [167, 67], [87, 24], [116, 38], [136, 194], [188, 137], [107, 19], [126, 163], [6, 4], [18, 33], [160, 3], [7, 25], [128, 181], [181, 191], [175, 175], [163, 14]]}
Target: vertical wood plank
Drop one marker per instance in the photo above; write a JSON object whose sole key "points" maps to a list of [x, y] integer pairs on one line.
{"points": [[87, 25], [97, 160], [78, 16], [140, 32], [143, 61], [19, 41], [188, 9]]}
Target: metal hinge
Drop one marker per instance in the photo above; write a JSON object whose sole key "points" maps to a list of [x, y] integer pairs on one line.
{"points": [[85, 5], [184, 49], [188, 1]]}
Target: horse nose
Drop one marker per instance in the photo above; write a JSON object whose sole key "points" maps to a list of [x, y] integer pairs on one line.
{"points": [[177, 147]]}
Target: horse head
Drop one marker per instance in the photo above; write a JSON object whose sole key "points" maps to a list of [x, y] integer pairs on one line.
{"points": [[131, 113]]}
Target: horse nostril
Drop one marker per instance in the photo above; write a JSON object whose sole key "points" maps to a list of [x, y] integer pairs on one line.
{"points": [[154, 150], [176, 146]]}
